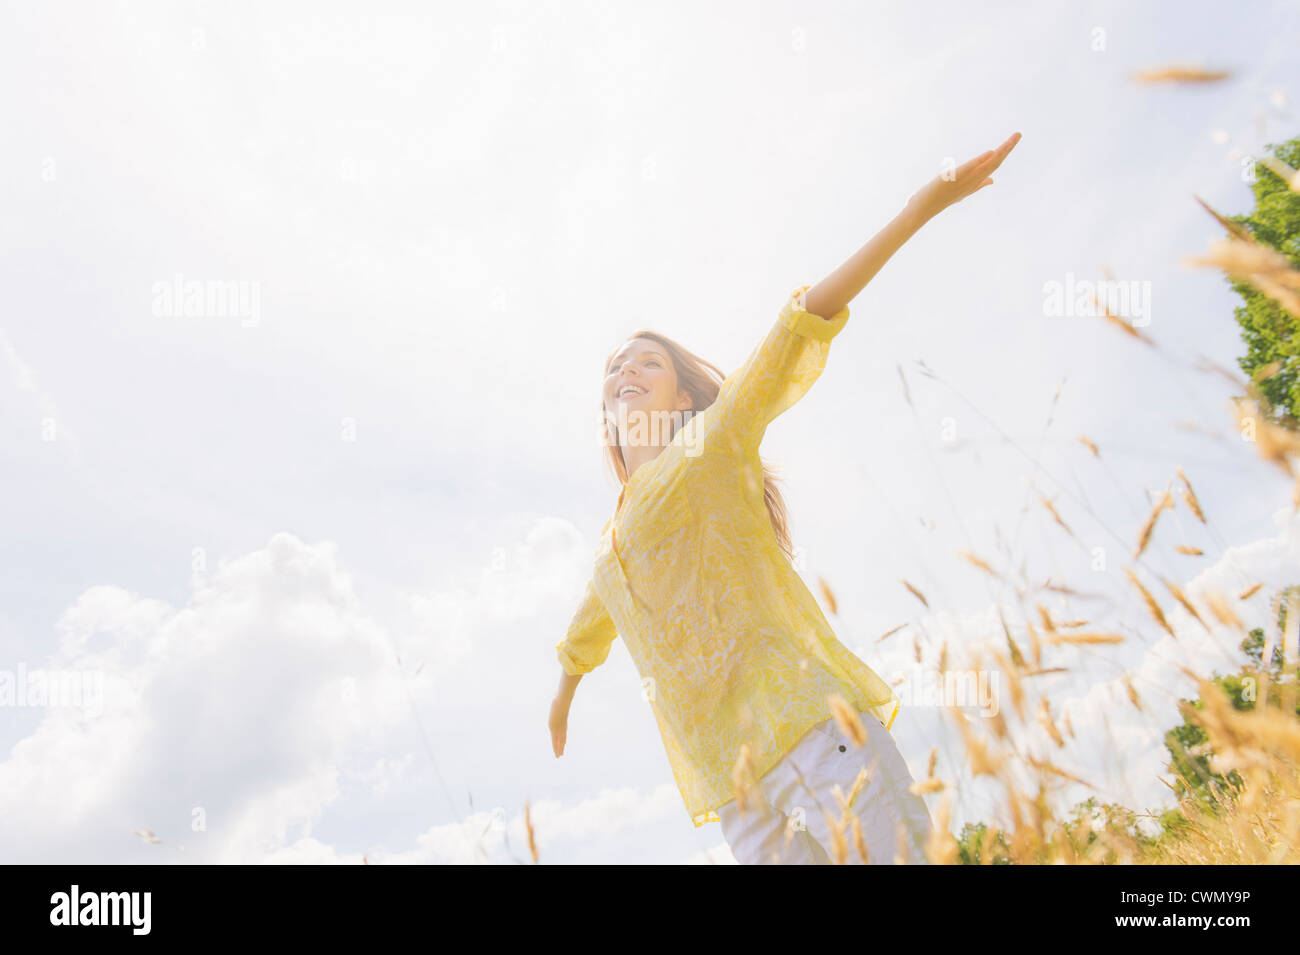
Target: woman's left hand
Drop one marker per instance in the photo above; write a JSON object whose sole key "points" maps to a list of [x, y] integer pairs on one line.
{"points": [[968, 178]]}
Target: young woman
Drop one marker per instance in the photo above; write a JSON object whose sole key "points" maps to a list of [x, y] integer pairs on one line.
{"points": [[737, 661]]}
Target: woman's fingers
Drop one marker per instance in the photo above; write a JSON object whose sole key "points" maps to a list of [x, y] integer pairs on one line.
{"points": [[968, 178], [970, 164], [1002, 151], [999, 154], [994, 160], [557, 742], [558, 723], [987, 161]]}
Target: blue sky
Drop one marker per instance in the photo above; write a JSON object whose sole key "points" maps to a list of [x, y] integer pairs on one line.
{"points": [[321, 554]]}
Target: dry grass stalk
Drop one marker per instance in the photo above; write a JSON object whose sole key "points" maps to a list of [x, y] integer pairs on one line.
{"points": [[1081, 639], [859, 843], [977, 562], [1280, 169], [1265, 268], [890, 633], [1059, 588], [1055, 516], [1180, 74], [743, 779], [1182, 599], [999, 724], [1035, 645], [1153, 606], [1045, 720], [858, 783], [839, 848], [1016, 656], [1050, 767], [942, 848], [1166, 500], [982, 761], [1249, 592], [532, 836], [1273, 442], [1132, 692], [907, 394], [915, 593], [926, 786], [1222, 612], [1126, 327], [1190, 497], [1014, 686], [1239, 231], [828, 594], [846, 718]]}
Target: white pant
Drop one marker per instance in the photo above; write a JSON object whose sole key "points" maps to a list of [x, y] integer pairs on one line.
{"points": [[885, 807]]}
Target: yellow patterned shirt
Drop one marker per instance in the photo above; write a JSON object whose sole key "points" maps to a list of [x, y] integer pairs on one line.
{"points": [[731, 645]]}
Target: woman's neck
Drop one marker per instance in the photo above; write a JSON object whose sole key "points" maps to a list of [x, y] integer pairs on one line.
{"points": [[637, 455]]}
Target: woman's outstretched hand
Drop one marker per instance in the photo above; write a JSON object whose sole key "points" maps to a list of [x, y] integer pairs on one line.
{"points": [[968, 178], [839, 288], [559, 724]]}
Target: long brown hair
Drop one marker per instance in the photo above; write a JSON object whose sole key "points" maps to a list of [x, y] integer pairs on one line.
{"points": [[701, 380]]}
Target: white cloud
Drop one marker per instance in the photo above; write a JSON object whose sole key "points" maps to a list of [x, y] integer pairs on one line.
{"points": [[252, 707], [494, 837], [244, 708]]}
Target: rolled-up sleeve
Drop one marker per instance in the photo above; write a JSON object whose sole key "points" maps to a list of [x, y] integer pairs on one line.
{"points": [[779, 371], [591, 632]]}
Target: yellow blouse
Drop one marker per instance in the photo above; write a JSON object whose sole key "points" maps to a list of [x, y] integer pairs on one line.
{"points": [[731, 645]]}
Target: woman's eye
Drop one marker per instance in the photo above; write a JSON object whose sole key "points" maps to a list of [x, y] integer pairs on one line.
{"points": [[615, 369], [649, 361]]}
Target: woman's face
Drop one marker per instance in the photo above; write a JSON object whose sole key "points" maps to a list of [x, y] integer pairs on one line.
{"points": [[641, 379]]}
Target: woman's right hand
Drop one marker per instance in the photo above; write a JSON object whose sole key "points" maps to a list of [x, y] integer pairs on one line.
{"points": [[559, 723]]}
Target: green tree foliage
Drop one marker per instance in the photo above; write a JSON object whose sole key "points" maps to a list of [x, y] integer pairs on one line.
{"points": [[980, 845], [1270, 332]]}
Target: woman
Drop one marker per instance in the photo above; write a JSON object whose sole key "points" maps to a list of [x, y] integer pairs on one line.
{"points": [[737, 661]]}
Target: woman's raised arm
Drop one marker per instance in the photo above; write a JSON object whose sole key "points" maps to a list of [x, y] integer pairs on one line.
{"points": [[834, 292]]}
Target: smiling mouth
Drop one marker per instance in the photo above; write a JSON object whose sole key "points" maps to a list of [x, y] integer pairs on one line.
{"points": [[630, 393]]}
